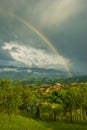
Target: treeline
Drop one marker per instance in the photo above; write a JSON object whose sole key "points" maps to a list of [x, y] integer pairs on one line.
{"points": [[53, 102], [53, 80]]}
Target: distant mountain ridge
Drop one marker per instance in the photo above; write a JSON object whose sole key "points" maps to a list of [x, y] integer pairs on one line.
{"points": [[25, 72], [14, 72]]}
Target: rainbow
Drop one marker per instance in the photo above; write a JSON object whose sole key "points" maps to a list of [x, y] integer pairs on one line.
{"points": [[44, 38]]}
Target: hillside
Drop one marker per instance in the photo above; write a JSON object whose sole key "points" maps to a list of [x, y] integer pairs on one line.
{"points": [[22, 123], [19, 123]]}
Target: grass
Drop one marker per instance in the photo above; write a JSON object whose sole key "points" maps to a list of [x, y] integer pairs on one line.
{"points": [[23, 123], [64, 126], [19, 123]]}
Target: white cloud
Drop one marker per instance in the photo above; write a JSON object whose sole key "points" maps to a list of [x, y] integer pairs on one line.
{"points": [[8, 69], [29, 70], [31, 56], [14, 70]]}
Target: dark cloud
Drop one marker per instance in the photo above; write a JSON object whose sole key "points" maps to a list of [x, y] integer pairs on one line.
{"points": [[71, 40], [4, 55]]}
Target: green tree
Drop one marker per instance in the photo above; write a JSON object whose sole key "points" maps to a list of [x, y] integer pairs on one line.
{"points": [[72, 100], [56, 102], [26, 97], [10, 97]]}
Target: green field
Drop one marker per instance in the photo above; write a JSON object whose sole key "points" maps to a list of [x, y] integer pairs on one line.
{"points": [[23, 123], [19, 123]]}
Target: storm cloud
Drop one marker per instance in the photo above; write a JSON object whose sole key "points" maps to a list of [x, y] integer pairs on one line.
{"points": [[64, 22]]}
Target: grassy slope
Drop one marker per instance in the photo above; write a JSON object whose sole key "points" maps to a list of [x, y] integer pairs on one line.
{"points": [[22, 123], [19, 123]]}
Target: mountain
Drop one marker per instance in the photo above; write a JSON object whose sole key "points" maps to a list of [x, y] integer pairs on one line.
{"points": [[13, 72]]}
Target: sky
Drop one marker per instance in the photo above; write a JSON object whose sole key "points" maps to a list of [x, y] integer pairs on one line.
{"points": [[62, 22]]}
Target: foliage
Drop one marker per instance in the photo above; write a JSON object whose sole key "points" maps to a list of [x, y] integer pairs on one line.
{"points": [[10, 97], [55, 103]]}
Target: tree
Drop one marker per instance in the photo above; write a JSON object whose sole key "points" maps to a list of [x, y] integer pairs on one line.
{"points": [[26, 97], [56, 102], [72, 100], [10, 97]]}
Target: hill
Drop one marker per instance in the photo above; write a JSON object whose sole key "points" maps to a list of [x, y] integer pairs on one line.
{"points": [[22, 123], [19, 123], [24, 72]]}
